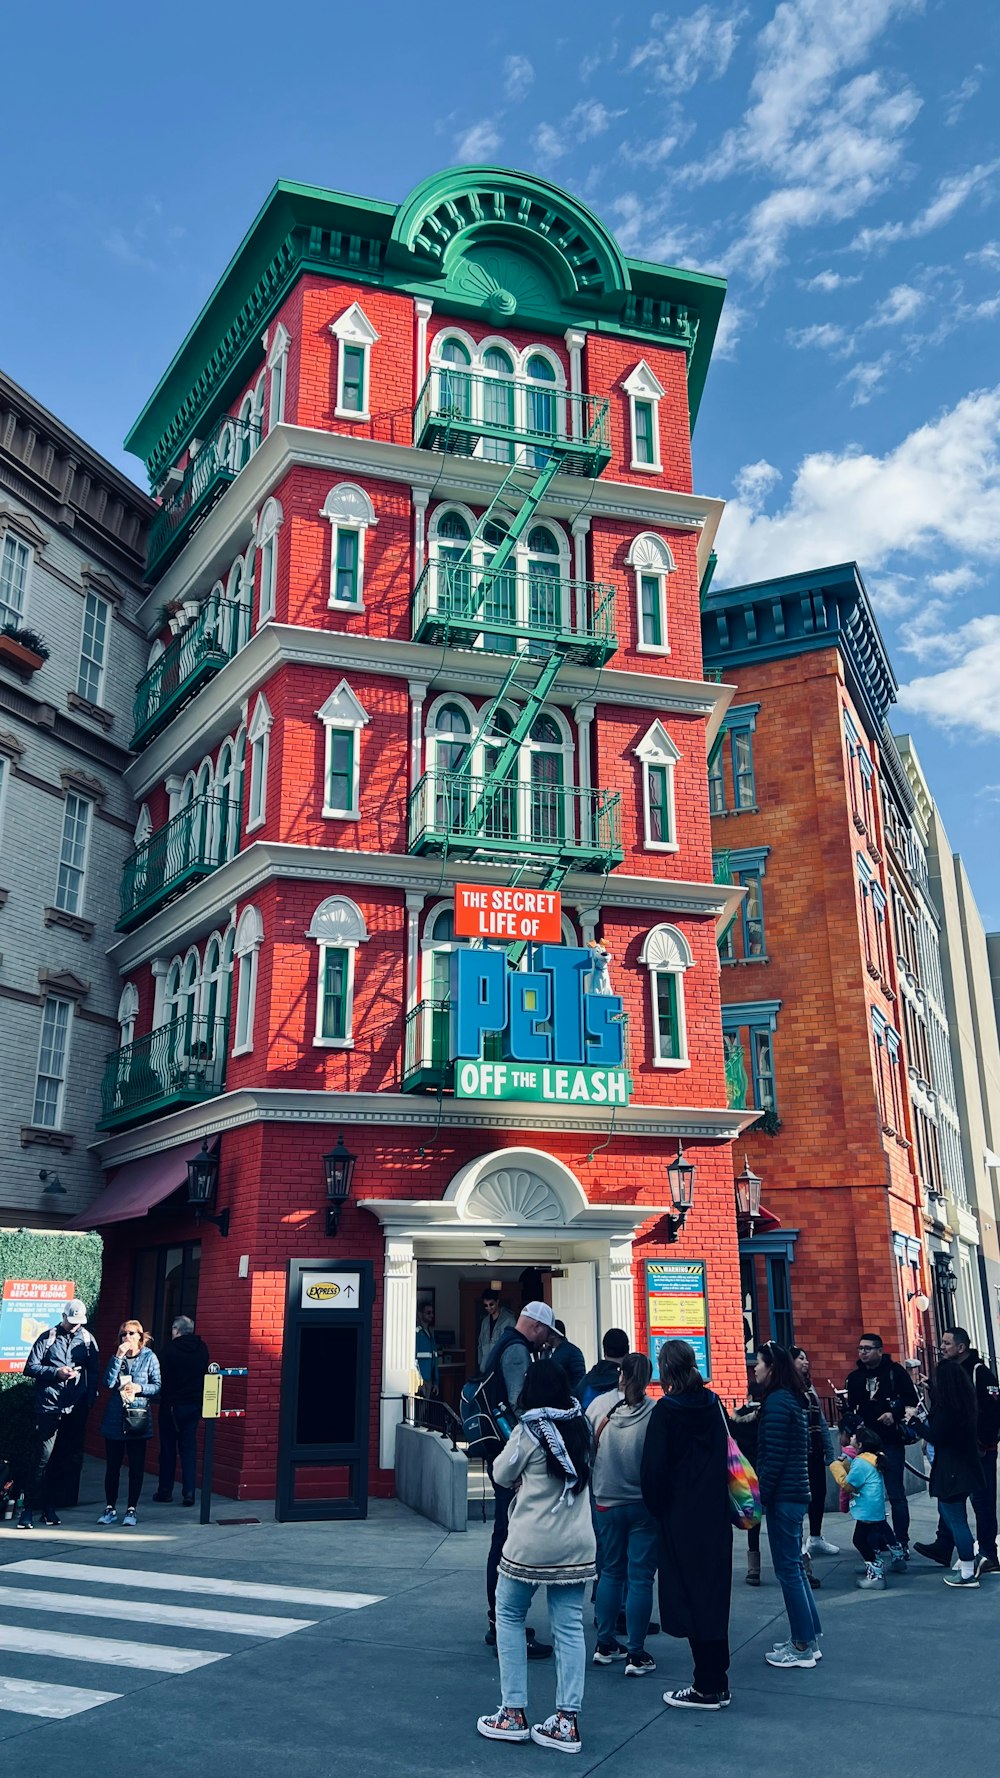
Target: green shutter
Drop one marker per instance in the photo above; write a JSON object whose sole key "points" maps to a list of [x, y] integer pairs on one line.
{"points": [[644, 452], [345, 589], [340, 784], [649, 596], [334, 1020]]}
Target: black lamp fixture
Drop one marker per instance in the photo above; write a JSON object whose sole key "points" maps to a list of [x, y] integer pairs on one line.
{"points": [[52, 1184], [748, 1184], [339, 1167], [944, 1273], [680, 1178], [203, 1177]]}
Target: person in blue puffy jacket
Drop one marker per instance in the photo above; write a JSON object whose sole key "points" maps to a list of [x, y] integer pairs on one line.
{"points": [[133, 1378]]}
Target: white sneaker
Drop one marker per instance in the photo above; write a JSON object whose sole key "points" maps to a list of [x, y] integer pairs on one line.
{"points": [[821, 1546], [108, 1517], [130, 1518], [817, 1651], [790, 1656]]}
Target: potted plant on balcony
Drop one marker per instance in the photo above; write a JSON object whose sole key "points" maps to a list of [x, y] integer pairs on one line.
{"points": [[22, 649]]}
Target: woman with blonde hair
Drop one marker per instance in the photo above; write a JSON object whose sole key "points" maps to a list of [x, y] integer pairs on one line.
{"points": [[133, 1378]]}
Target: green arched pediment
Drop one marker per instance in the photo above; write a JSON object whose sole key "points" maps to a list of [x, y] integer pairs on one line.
{"points": [[511, 235]]}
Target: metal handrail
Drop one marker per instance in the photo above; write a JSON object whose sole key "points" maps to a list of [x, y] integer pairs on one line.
{"points": [[192, 844], [423, 1411], [185, 1059], [220, 630], [457, 406], [539, 607], [504, 813], [215, 465]]}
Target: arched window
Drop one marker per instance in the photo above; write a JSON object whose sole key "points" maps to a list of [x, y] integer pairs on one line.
{"points": [[266, 539], [187, 1000], [338, 926], [450, 538], [545, 583], [257, 414], [259, 735], [541, 402], [498, 402], [277, 364], [449, 739], [436, 948], [667, 955], [351, 514], [453, 391], [549, 749], [213, 999], [249, 938], [244, 445], [652, 561], [128, 1012]]}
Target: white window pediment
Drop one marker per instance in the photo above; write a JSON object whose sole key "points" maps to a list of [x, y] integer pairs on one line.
{"points": [[347, 504], [517, 1186], [649, 554], [279, 345], [666, 948], [642, 385], [262, 721], [269, 519], [338, 921], [656, 748], [143, 827], [128, 1005], [249, 932], [342, 709], [353, 327]]}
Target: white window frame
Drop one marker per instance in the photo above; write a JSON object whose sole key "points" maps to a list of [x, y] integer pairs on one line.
{"points": [[8, 613], [348, 508], [353, 328], [657, 749], [277, 364], [128, 1012], [249, 938], [53, 1000], [337, 925], [94, 599], [269, 522], [259, 742], [4, 781], [651, 558], [666, 951], [342, 713], [73, 796], [642, 385]]}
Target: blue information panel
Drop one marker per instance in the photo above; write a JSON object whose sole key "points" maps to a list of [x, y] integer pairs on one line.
{"points": [[677, 1308]]}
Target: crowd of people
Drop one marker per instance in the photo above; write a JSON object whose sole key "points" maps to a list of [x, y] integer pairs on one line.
{"points": [[65, 1363], [601, 1486]]}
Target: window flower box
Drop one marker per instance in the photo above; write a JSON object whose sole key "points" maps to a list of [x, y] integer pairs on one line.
{"points": [[22, 649]]}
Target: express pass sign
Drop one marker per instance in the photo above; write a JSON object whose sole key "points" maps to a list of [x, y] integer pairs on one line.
{"points": [[556, 1041], [504, 914]]}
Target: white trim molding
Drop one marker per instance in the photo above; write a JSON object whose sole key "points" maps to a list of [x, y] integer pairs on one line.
{"points": [[666, 952], [652, 560], [353, 328], [337, 925], [342, 713], [348, 508], [643, 387], [656, 751]]}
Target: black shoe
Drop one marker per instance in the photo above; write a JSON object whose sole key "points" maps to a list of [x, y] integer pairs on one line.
{"points": [[163, 1499], [490, 1638], [188, 1500], [814, 1580], [26, 1522], [538, 1651], [689, 1699], [637, 1666], [934, 1553], [50, 1519], [654, 1628], [606, 1653]]}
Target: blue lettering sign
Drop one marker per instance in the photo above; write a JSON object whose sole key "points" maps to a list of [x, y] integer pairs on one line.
{"points": [[544, 1013]]}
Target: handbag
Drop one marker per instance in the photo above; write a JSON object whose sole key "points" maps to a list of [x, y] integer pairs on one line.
{"points": [[136, 1417], [744, 1489]]}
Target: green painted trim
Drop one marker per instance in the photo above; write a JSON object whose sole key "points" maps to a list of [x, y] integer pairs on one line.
{"points": [[309, 228]]}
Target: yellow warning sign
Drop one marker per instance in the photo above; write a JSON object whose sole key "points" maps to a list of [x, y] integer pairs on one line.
{"points": [[211, 1398]]}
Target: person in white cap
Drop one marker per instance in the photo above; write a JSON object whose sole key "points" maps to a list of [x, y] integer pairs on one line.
{"points": [[65, 1363]]}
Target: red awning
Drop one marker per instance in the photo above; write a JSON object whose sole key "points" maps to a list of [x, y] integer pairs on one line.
{"points": [[766, 1219], [137, 1186]]}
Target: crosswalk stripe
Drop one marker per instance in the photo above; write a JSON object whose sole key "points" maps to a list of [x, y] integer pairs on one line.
{"points": [[31, 1697], [153, 1611], [108, 1651], [192, 1583]]}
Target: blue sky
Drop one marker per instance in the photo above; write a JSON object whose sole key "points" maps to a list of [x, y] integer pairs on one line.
{"points": [[837, 160]]}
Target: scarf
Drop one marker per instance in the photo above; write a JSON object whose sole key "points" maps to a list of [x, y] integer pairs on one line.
{"points": [[542, 1423]]}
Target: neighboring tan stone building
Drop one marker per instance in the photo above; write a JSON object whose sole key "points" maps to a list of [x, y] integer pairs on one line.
{"points": [[72, 548]]}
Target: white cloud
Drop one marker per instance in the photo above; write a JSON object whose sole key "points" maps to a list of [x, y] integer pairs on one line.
{"points": [[953, 580], [988, 254], [935, 493], [588, 119], [654, 153], [518, 77], [957, 100], [826, 334], [951, 194], [479, 141], [754, 482], [548, 144], [989, 793], [830, 281], [901, 304], [687, 48], [596, 59], [732, 322], [965, 693], [867, 380]]}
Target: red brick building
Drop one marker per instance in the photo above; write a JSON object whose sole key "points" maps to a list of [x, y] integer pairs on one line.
{"points": [[811, 1013], [425, 611]]}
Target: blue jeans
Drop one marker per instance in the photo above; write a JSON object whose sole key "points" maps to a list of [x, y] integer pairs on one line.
{"points": [[956, 1518], [784, 1533], [628, 1541], [566, 1620]]}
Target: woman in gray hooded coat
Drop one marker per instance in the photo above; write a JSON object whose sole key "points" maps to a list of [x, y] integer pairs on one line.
{"points": [[626, 1529]]}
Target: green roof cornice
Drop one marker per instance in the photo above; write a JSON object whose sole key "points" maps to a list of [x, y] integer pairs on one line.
{"points": [[479, 240]]}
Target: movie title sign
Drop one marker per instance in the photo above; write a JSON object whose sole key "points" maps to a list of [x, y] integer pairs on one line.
{"points": [[508, 914]]}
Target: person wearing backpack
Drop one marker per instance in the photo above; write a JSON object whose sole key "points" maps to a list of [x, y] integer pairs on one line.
{"points": [[499, 1394], [957, 1348], [65, 1363], [626, 1530]]}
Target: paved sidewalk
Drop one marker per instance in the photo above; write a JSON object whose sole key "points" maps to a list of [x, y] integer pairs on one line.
{"points": [[356, 1651]]}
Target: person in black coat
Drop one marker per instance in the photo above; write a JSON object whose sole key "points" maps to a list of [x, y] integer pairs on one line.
{"points": [[743, 1423], [685, 1485], [783, 1475], [956, 1470], [183, 1367]]}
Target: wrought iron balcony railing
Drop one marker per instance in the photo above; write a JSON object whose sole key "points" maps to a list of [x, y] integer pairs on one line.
{"points": [[205, 479], [500, 612], [191, 845], [220, 630], [450, 812], [427, 1062], [465, 411], [178, 1064]]}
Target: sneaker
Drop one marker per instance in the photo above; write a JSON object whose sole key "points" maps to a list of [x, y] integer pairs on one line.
{"points": [[606, 1653], [987, 1565], [26, 1522], [188, 1500], [51, 1519], [109, 1516], [933, 1552], [821, 1546], [873, 1580], [538, 1651], [688, 1699], [961, 1580], [637, 1665], [817, 1651], [129, 1518], [505, 1725], [558, 1731], [895, 1559], [790, 1655], [814, 1580], [163, 1499]]}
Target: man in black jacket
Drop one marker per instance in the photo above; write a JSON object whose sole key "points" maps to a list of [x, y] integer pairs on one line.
{"points": [[66, 1366], [182, 1370], [878, 1395], [602, 1377], [957, 1348]]}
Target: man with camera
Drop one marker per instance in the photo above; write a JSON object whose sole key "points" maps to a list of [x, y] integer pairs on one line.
{"points": [[65, 1364], [879, 1391]]}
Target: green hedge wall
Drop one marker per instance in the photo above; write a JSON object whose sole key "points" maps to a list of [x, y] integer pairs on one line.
{"points": [[40, 1253]]}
